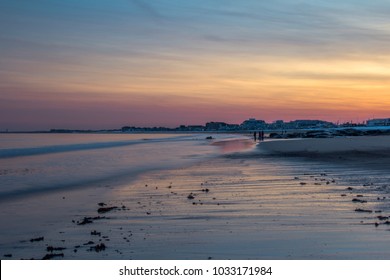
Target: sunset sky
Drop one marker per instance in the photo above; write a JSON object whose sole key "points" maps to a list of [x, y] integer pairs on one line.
{"points": [[105, 64]]}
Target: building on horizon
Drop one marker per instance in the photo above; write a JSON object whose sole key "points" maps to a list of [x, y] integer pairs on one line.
{"points": [[278, 124], [253, 124], [378, 122], [215, 125], [306, 124], [190, 128]]}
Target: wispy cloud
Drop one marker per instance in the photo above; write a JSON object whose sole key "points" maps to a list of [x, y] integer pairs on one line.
{"points": [[147, 9]]}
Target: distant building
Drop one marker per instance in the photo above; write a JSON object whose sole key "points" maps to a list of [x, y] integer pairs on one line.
{"points": [[221, 126], [182, 128], [279, 124], [253, 124], [378, 122], [196, 128], [215, 125], [349, 124], [299, 124], [127, 128], [232, 127]]}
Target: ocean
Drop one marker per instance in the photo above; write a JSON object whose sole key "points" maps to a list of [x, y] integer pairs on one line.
{"points": [[182, 196], [33, 163]]}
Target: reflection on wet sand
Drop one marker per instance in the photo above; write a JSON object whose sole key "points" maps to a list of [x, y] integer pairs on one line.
{"points": [[232, 146]]}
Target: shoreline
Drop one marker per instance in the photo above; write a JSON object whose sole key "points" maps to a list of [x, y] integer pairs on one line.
{"points": [[236, 206]]}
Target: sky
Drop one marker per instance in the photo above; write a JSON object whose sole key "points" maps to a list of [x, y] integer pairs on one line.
{"points": [[97, 64]]}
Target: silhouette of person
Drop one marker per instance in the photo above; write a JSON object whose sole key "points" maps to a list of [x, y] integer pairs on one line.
{"points": [[254, 135], [262, 135]]}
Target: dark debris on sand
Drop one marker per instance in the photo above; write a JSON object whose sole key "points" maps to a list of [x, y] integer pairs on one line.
{"points": [[363, 210], [52, 256], [359, 200], [98, 247], [89, 220], [51, 248], [106, 209], [37, 239], [378, 224]]}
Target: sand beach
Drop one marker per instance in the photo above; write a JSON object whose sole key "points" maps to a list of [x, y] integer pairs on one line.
{"points": [[263, 200], [348, 144]]}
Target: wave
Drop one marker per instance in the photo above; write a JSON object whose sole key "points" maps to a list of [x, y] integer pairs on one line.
{"points": [[32, 151]]}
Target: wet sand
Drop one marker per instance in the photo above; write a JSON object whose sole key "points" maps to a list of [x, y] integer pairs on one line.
{"points": [[349, 144], [243, 205]]}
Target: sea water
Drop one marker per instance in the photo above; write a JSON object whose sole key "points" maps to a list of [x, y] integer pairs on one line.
{"points": [[34, 163], [247, 205]]}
